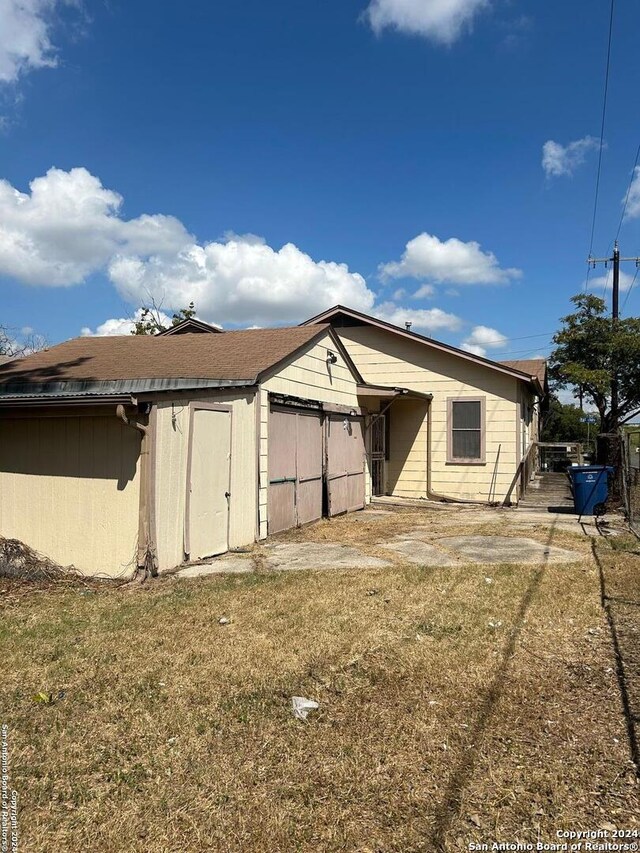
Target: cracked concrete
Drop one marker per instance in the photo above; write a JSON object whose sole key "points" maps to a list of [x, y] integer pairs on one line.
{"points": [[506, 549], [319, 555], [420, 553], [225, 565]]}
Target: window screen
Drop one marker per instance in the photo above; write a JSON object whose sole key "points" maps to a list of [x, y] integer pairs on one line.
{"points": [[466, 429]]}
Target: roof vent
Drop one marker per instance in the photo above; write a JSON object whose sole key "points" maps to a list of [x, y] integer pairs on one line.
{"points": [[407, 325]]}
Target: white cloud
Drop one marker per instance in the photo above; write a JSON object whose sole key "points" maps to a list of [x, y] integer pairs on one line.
{"points": [[424, 292], [483, 338], [399, 294], [441, 21], [235, 281], [560, 159], [633, 200], [605, 281], [449, 261], [430, 320], [122, 325], [25, 36], [69, 226]]}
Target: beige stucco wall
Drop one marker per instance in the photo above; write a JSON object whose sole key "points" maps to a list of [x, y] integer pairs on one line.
{"points": [[170, 460], [388, 359], [69, 487], [307, 376]]}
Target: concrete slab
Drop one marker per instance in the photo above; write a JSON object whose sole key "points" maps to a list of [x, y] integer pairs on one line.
{"points": [[421, 553], [318, 555], [504, 549], [219, 566]]}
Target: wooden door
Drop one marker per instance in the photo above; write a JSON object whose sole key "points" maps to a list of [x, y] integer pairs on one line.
{"points": [[295, 468], [209, 472], [345, 463]]}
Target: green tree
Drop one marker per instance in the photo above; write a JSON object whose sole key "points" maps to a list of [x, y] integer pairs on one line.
{"points": [[151, 320], [591, 349], [564, 422]]}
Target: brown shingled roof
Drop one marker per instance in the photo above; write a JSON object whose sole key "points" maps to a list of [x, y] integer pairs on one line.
{"points": [[531, 366], [240, 355]]}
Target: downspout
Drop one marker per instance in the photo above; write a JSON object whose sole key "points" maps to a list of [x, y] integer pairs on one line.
{"points": [[146, 558], [434, 496]]}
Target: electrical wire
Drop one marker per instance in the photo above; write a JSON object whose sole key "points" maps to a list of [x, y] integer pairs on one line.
{"points": [[626, 198], [520, 351], [630, 288], [602, 126]]}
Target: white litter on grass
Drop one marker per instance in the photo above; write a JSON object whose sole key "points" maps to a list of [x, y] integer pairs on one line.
{"points": [[488, 580], [302, 707], [495, 625], [224, 620]]}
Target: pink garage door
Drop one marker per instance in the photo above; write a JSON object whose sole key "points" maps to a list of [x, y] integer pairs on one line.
{"points": [[295, 468], [345, 463]]}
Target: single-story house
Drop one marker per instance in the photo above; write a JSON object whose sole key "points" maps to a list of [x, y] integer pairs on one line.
{"points": [[120, 453]]}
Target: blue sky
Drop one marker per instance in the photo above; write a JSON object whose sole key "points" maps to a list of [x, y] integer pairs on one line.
{"points": [[270, 159]]}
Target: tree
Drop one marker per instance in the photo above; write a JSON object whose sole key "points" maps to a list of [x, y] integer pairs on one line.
{"points": [[151, 320], [564, 422], [16, 343], [591, 349]]}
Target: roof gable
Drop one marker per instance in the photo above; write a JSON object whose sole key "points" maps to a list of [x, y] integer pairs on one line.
{"points": [[340, 316], [192, 324]]}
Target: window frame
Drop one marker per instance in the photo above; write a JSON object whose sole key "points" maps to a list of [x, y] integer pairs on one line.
{"points": [[455, 460]]}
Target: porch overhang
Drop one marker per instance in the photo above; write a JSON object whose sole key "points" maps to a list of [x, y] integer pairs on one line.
{"points": [[391, 393]]}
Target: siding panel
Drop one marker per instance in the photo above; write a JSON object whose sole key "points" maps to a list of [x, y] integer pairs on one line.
{"points": [[386, 359], [69, 488]]}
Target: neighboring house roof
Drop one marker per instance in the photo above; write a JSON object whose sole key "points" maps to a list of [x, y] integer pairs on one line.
{"points": [[132, 364], [190, 325], [339, 315], [532, 366]]}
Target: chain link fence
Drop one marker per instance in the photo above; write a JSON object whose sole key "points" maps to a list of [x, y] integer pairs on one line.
{"points": [[631, 477]]}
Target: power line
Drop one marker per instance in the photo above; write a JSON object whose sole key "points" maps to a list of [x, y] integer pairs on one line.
{"points": [[526, 337], [630, 286], [602, 125], [518, 351], [626, 198]]}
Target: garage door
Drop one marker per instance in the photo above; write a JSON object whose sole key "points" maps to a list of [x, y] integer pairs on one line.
{"points": [[345, 463], [295, 468]]}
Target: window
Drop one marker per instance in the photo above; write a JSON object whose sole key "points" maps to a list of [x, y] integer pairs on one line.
{"points": [[466, 430]]}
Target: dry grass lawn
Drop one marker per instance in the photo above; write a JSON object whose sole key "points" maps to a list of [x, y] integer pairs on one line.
{"points": [[452, 709]]}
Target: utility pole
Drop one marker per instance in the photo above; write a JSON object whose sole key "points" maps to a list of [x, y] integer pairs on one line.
{"points": [[615, 314]]}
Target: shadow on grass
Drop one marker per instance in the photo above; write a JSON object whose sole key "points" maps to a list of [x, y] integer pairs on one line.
{"points": [[449, 809], [624, 629]]}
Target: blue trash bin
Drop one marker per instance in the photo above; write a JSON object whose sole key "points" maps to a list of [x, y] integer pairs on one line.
{"points": [[590, 487]]}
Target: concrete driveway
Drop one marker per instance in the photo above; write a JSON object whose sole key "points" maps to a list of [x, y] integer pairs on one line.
{"points": [[428, 536]]}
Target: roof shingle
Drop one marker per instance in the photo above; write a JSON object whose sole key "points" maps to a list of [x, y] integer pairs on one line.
{"points": [[531, 366], [242, 355]]}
